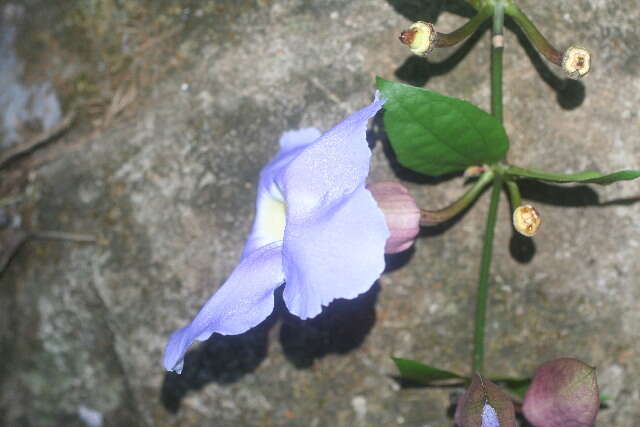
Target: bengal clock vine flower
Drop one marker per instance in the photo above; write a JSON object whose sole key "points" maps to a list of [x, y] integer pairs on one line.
{"points": [[317, 229]]}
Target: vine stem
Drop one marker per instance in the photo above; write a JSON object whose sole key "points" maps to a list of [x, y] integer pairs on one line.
{"points": [[483, 282], [497, 47], [487, 246]]}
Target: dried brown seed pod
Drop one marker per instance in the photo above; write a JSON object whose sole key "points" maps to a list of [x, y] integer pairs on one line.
{"points": [[576, 62], [420, 37]]}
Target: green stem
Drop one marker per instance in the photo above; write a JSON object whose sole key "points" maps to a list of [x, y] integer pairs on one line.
{"points": [[483, 282], [514, 194], [435, 217], [455, 37], [496, 60], [482, 295], [537, 39]]}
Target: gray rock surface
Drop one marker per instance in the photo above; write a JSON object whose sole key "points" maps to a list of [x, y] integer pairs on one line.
{"points": [[168, 187]]}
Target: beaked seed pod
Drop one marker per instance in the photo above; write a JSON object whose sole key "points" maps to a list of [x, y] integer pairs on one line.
{"points": [[420, 38], [526, 220], [576, 62]]}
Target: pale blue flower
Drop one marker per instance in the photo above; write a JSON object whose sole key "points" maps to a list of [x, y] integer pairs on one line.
{"points": [[317, 228]]}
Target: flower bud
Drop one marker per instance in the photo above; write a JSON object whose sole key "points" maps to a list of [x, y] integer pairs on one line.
{"points": [[420, 38], [576, 61], [485, 405], [473, 171], [563, 392], [400, 212], [526, 220]]}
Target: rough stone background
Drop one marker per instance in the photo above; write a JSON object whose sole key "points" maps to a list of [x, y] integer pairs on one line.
{"points": [[167, 182]]}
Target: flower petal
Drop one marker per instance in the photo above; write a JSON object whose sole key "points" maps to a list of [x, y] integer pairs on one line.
{"points": [[336, 164], [292, 139], [268, 225], [338, 253], [292, 143], [243, 301], [489, 416]]}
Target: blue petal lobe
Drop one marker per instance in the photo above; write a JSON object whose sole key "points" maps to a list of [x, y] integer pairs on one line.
{"points": [[243, 301], [292, 143], [335, 233], [330, 168], [339, 253]]}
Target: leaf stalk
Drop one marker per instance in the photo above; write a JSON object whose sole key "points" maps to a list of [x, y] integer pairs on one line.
{"points": [[428, 217], [455, 37], [541, 44]]}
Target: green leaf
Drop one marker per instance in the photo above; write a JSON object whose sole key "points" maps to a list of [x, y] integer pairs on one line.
{"points": [[588, 177], [419, 372], [517, 386], [434, 134]]}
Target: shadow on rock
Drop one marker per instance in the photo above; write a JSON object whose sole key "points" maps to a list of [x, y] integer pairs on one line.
{"points": [[522, 248], [340, 328], [429, 11], [225, 359], [398, 260], [625, 201], [569, 93], [558, 195], [523, 421], [222, 359], [574, 196]]}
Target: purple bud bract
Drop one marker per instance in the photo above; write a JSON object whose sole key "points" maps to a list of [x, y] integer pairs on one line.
{"points": [[401, 214], [484, 404], [563, 393]]}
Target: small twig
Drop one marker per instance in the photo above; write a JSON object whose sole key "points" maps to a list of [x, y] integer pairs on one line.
{"points": [[36, 142], [328, 93], [61, 235], [620, 201], [121, 99], [10, 201], [10, 242], [151, 41]]}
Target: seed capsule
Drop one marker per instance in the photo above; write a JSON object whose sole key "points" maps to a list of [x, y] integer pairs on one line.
{"points": [[576, 62], [420, 38], [526, 220]]}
